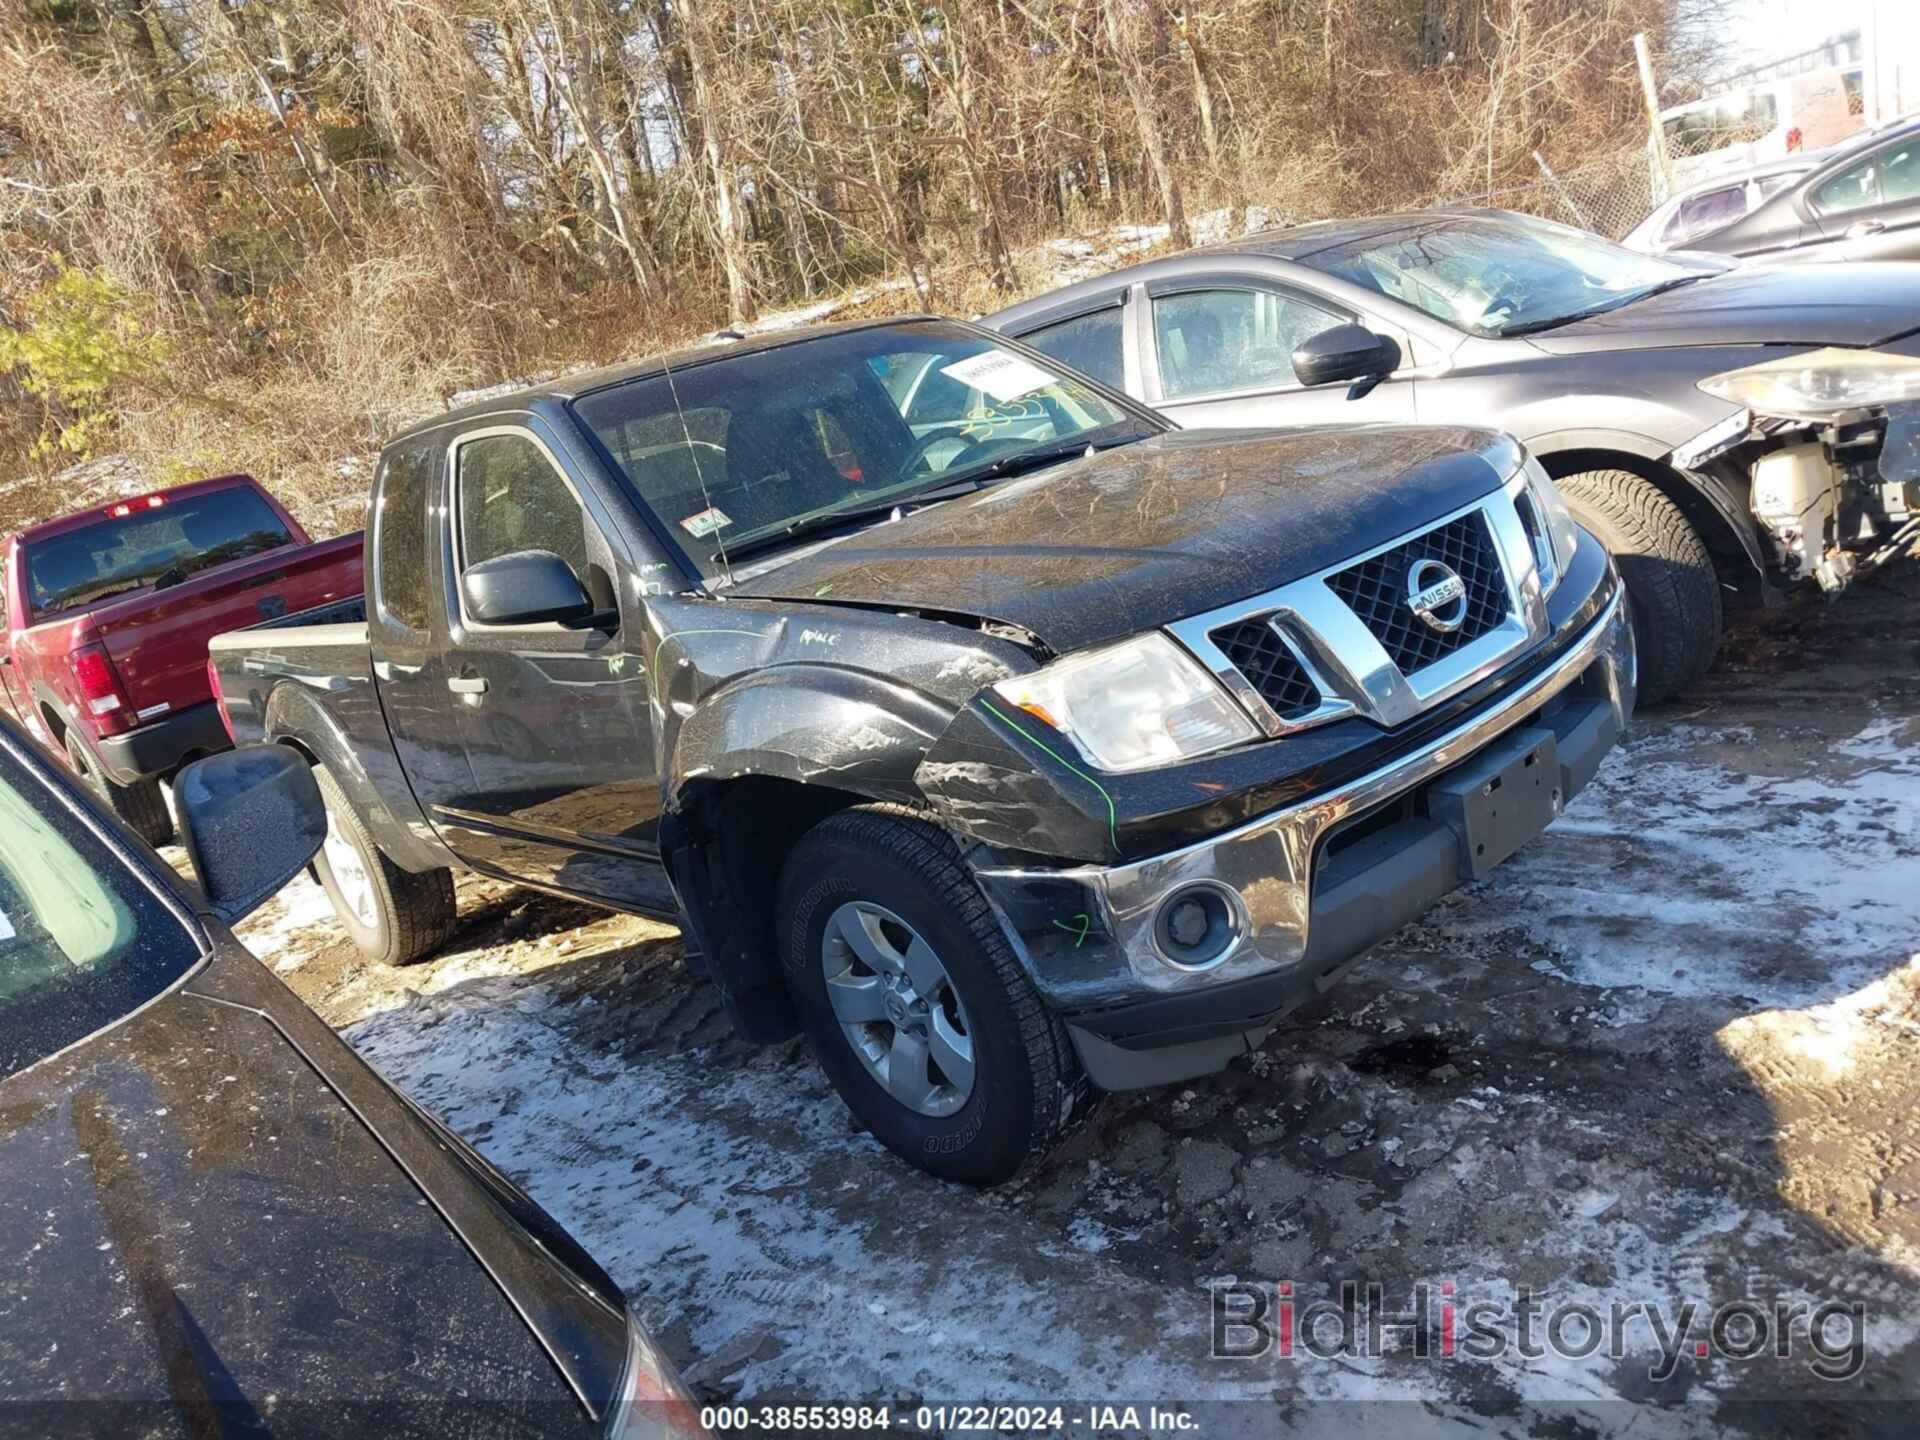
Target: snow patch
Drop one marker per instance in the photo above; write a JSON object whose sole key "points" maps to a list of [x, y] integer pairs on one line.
{"points": [[1832, 1036], [1681, 878]]}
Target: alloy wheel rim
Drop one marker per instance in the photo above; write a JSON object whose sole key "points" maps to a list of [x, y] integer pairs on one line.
{"points": [[898, 1008], [350, 875]]}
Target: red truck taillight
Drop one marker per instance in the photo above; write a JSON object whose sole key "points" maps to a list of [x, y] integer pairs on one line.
{"points": [[101, 692], [219, 699]]}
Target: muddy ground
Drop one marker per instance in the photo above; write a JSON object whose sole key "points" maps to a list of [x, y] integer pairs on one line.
{"points": [[1668, 1056]]}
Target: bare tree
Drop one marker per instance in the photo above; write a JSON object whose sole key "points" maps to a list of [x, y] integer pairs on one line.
{"points": [[1137, 34]]}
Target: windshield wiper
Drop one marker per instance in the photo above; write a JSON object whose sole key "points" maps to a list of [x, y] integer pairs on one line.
{"points": [[1020, 462], [1604, 307], [771, 537]]}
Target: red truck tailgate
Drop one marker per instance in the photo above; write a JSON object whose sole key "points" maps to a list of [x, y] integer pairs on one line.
{"points": [[158, 639]]}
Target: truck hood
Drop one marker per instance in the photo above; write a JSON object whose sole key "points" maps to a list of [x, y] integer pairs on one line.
{"points": [[194, 1215], [1136, 537], [1864, 304]]}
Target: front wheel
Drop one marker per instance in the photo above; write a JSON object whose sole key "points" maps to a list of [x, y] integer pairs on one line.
{"points": [[393, 916], [1668, 573], [140, 804], [915, 1004]]}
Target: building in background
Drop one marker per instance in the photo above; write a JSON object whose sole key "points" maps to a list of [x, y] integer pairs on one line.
{"points": [[1878, 39]]}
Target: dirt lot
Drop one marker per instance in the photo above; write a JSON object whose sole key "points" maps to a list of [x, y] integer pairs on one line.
{"points": [[1668, 1055]]}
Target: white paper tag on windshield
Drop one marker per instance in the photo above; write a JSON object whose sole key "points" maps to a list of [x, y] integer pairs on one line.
{"points": [[1002, 375], [6, 926], [706, 522]]}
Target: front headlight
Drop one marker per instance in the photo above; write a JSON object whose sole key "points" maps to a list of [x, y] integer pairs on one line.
{"points": [[1141, 703], [1820, 384], [652, 1403], [1548, 523]]}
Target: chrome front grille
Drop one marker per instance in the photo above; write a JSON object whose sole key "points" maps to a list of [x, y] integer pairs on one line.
{"points": [[1376, 591], [1350, 641]]}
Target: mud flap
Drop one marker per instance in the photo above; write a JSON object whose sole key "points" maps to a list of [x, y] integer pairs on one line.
{"points": [[1500, 799]]}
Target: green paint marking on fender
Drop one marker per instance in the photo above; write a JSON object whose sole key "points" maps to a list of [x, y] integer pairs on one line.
{"points": [[1113, 829], [1079, 931]]}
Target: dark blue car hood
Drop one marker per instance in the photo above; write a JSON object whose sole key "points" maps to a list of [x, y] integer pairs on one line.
{"points": [[1856, 305], [193, 1222]]}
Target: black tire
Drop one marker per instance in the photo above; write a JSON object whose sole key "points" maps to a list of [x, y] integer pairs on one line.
{"points": [[141, 804], [411, 914], [1669, 575], [1028, 1090]]}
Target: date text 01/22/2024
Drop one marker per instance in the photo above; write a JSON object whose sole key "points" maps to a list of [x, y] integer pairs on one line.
{"points": [[951, 1419]]}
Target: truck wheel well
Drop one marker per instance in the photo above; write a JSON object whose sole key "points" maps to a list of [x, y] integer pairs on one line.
{"points": [[56, 727], [724, 846], [1732, 565], [301, 750]]}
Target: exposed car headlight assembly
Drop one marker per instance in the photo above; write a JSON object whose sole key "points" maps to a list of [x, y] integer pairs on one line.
{"points": [[1548, 523], [1820, 385], [652, 1404], [1132, 706]]}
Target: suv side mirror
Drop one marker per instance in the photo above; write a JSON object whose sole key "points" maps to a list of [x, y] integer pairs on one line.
{"points": [[524, 587], [252, 819], [1346, 353]]}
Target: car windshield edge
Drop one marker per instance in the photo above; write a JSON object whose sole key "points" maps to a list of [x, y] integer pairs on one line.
{"points": [[1497, 275]]}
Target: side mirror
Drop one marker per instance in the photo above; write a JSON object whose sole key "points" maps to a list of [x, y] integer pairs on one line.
{"points": [[524, 588], [1345, 353], [253, 818]]}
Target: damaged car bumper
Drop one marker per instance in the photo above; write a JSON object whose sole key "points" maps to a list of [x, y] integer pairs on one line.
{"points": [[1168, 966]]}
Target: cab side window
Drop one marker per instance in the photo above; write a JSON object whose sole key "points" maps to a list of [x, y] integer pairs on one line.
{"points": [[1214, 340], [1900, 172], [400, 534], [1852, 189], [1708, 211], [511, 498], [1090, 344]]}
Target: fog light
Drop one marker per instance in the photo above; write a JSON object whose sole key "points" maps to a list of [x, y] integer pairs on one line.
{"points": [[1197, 925]]}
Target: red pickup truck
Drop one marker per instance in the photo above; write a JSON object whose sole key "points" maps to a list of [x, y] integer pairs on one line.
{"points": [[107, 616]]}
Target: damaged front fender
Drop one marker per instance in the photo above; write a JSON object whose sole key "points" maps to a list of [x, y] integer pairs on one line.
{"points": [[816, 724]]}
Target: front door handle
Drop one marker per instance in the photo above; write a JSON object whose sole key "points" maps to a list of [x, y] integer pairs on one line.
{"points": [[467, 685], [1862, 228]]}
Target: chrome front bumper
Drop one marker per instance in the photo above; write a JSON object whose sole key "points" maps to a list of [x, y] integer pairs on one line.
{"points": [[1267, 865]]}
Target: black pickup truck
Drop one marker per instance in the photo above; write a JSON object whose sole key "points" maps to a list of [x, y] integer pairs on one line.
{"points": [[1011, 743]]}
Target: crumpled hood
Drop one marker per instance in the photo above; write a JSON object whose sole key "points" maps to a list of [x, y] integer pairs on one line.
{"points": [[1864, 304], [1133, 538]]}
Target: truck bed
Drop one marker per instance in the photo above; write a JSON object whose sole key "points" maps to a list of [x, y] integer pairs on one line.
{"points": [[324, 650]]}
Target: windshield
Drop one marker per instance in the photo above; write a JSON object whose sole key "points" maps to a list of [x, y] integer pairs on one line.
{"points": [[1499, 274], [82, 940], [152, 544], [751, 445]]}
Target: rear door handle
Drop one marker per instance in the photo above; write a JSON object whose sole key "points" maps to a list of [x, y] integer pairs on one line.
{"points": [[467, 685]]}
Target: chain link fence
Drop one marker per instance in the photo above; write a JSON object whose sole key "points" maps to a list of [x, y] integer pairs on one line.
{"points": [[1608, 196]]}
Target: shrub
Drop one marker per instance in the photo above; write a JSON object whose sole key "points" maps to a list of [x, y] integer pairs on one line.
{"points": [[80, 344]]}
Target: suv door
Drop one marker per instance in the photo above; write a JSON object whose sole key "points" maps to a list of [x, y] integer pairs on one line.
{"points": [[1220, 353], [554, 718]]}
